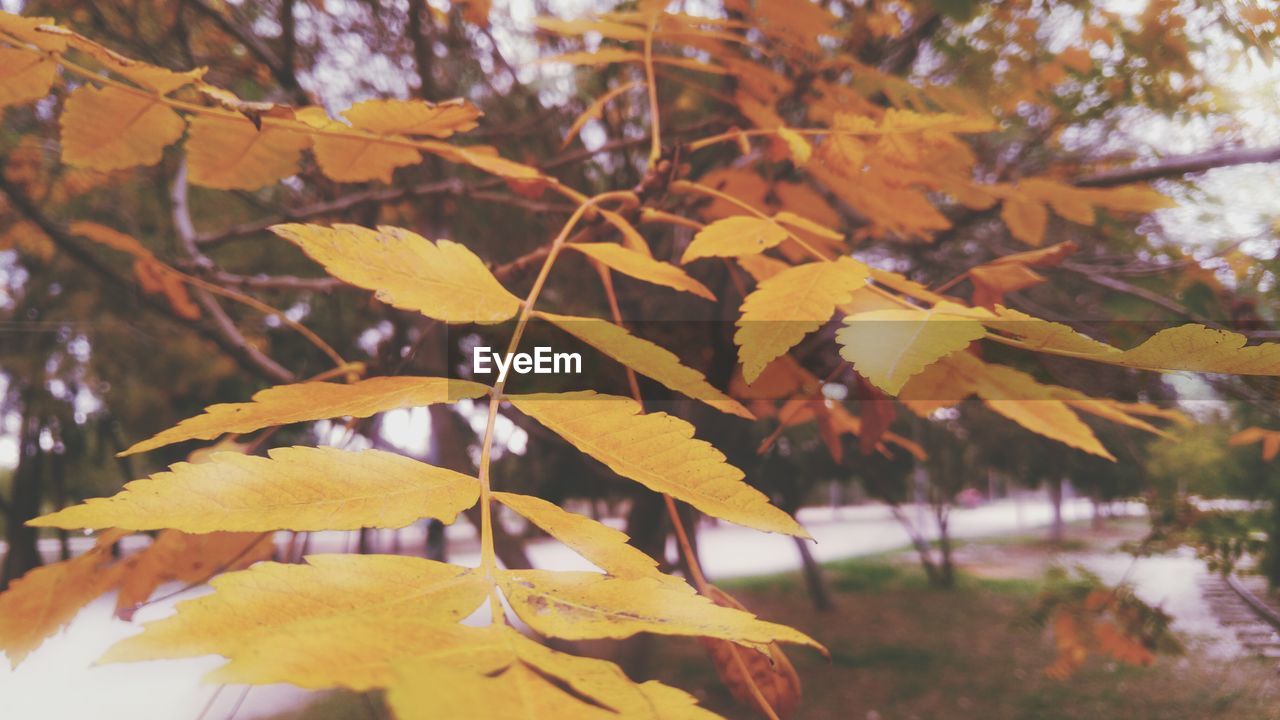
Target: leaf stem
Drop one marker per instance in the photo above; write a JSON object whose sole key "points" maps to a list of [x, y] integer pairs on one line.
{"points": [[488, 558], [707, 190], [655, 118]]}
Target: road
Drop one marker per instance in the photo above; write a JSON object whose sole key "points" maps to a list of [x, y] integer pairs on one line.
{"points": [[60, 682]]}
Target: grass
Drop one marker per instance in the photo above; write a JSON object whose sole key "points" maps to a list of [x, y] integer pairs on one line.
{"points": [[901, 649]]}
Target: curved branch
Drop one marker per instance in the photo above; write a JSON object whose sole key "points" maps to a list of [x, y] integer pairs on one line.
{"points": [[74, 249]]}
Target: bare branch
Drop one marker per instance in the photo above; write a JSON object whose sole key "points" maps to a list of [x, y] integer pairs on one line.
{"points": [[74, 249], [1181, 165], [222, 322]]}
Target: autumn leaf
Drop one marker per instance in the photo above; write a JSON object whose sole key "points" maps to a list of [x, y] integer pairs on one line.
{"points": [[413, 117], [1009, 392], [442, 280], [24, 76], [1201, 349], [1270, 440], [1026, 218], [109, 128], [496, 672], [588, 606], [733, 236], [657, 451], [887, 347], [183, 557], [230, 153], [159, 80], [605, 547], [769, 670], [45, 599], [303, 402], [347, 155], [642, 267], [1039, 334], [790, 305], [646, 358], [296, 488], [248, 607]]}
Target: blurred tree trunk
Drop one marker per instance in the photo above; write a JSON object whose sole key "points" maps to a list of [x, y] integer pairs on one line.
{"points": [[1057, 530], [814, 581], [58, 470], [24, 552]]}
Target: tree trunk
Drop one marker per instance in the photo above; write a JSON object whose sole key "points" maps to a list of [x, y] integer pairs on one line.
{"points": [[58, 477], [648, 526], [24, 552], [923, 551], [1057, 530], [813, 579], [946, 569]]}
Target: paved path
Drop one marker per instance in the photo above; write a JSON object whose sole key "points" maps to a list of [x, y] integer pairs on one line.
{"points": [[59, 681]]}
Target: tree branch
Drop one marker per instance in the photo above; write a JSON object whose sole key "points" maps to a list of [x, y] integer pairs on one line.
{"points": [[74, 249], [221, 321], [256, 47], [1181, 165]]}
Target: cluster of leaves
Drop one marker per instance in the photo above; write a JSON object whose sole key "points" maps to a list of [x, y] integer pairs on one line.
{"points": [[395, 622], [1088, 617]]}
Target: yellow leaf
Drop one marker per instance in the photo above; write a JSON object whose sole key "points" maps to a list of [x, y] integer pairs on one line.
{"points": [[790, 305], [160, 80], [414, 117], [631, 237], [1200, 349], [800, 149], [229, 153], [497, 672], [354, 156], [47, 598], [642, 267], [303, 402], [610, 56], [1026, 218], [248, 607], [657, 451], [296, 488], [648, 359], [761, 267], [1020, 398], [109, 128], [179, 556], [1070, 202], [804, 223], [24, 76], [887, 347], [582, 26], [1270, 440], [1105, 408], [589, 606], [602, 545], [733, 236], [1044, 335], [489, 162], [992, 282], [442, 280], [35, 30], [1130, 198]]}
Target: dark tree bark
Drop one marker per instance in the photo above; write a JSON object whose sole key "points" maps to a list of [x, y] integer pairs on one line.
{"points": [[1057, 529], [24, 552]]}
